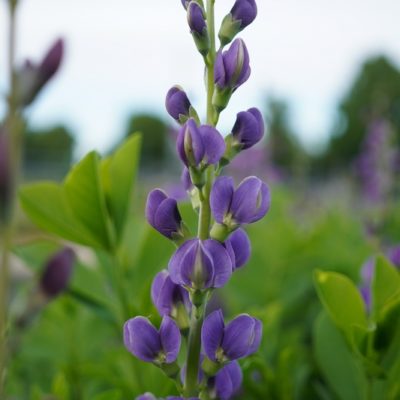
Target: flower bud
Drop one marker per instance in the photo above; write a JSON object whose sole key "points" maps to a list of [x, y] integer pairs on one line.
{"points": [[227, 382], [5, 176], [200, 265], [248, 129], [240, 338], [199, 146], [238, 247], [148, 344], [178, 105], [232, 69], [57, 273], [242, 14], [198, 27], [32, 78], [171, 299], [232, 207], [163, 215]]}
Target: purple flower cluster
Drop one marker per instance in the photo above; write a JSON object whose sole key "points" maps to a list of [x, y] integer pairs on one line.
{"points": [[206, 261]]}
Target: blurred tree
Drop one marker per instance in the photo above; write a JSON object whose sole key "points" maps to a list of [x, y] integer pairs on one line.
{"points": [[154, 133], [374, 95], [48, 152], [285, 152]]}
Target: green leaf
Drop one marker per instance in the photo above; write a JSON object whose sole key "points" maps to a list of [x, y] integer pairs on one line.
{"points": [[385, 285], [121, 169], [342, 301], [86, 198], [342, 371], [60, 387], [46, 205]]}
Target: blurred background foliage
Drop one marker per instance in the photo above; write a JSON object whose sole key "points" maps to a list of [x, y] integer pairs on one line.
{"points": [[321, 217]]}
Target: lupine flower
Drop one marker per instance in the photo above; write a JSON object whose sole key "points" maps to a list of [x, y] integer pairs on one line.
{"points": [[199, 144], [248, 129], [147, 343], [227, 382], [200, 264], [185, 3], [242, 14], [163, 215], [198, 27], [239, 248], [168, 297], [32, 78], [248, 203], [240, 338], [5, 174], [186, 180], [232, 67], [57, 273], [177, 104]]}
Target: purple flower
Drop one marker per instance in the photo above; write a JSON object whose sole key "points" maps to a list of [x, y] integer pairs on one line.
{"points": [[199, 144], [146, 396], [248, 203], [240, 338], [57, 273], [244, 11], [163, 215], [242, 14], [167, 296], [185, 3], [200, 264], [232, 67], [196, 19], [177, 104], [227, 382], [238, 247], [186, 180], [248, 129], [32, 78], [147, 343], [182, 398]]}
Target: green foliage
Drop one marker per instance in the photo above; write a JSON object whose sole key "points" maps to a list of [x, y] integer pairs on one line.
{"points": [[88, 208]]}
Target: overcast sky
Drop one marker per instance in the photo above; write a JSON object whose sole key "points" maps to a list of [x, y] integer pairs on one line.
{"points": [[123, 55]]}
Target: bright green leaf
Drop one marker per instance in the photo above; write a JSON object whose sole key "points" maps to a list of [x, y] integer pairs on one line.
{"points": [[342, 300], [86, 198], [46, 205], [122, 169], [385, 285]]}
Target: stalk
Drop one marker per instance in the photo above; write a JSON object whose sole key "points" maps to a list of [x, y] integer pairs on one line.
{"points": [[8, 225], [191, 386]]}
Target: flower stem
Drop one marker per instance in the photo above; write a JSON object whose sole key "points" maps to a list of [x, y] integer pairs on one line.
{"points": [[7, 227], [191, 386]]}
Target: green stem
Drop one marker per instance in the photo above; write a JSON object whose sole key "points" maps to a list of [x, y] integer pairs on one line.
{"points": [[191, 386], [7, 230]]}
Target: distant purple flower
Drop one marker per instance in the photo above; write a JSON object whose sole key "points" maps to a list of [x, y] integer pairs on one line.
{"points": [[227, 382], [200, 264], [57, 272], [248, 203], [249, 128], [147, 343], [199, 144], [196, 18], [240, 338], [239, 248], [32, 78], [186, 180], [167, 296], [244, 11], [232, 67], [163, 215], [182, 398], [177, 103], [146, 396]]}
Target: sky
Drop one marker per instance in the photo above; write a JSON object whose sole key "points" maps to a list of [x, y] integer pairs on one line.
{"points": [[122, 56]]}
